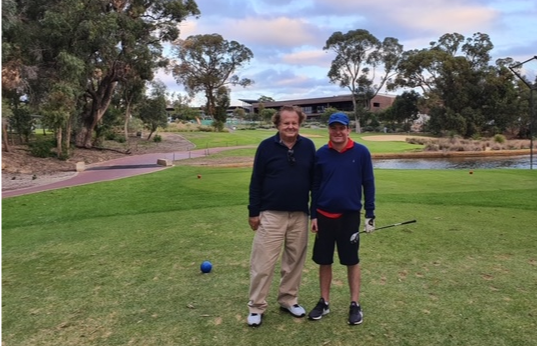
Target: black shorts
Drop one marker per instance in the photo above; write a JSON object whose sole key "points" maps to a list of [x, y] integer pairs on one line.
{"points": [[337, 231]]}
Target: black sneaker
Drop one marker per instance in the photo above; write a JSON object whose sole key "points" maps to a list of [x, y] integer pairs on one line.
{"points": [[319, 310], [356, 316]]}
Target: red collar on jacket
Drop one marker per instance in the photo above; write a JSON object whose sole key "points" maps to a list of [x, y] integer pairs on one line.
{"points": [[350, 144]]}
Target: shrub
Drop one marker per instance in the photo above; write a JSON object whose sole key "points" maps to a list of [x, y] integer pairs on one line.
{"points": [[431, 147], [157, 138], [204, 128], [476, 136], [43, 148], [420, 141], [499, 139], [110, 136]]}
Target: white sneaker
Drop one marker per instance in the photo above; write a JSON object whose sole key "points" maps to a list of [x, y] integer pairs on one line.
{"points": [[295, 310], [254, 320]]}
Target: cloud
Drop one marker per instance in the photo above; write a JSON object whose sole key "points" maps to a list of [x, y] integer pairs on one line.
{"points": [[308, 58], [280, 32], [287, 36]]}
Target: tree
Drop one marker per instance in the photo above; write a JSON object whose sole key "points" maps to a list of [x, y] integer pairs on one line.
{"points": [[267, 113], [222, 104], [239, 113], [264, 98], [358, 54], [327, 113], [463, 93], [182, 109], [7, 113], [404, 109], [207, 63], [57, 110], [153, 110], [91, 45], [131, 94]]}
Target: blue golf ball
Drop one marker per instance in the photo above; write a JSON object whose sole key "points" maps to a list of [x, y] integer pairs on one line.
{"points": [[206, 267]]}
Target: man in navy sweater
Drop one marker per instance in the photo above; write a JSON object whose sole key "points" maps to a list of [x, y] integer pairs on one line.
{"points": [[278, 213], [343, 173]]}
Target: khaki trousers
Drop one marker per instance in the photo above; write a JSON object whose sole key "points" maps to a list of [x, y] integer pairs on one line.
{"points": [[277, 229]]}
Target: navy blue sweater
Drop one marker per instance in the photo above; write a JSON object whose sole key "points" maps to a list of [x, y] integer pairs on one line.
{"points": [[340, 178], [277, 183]]}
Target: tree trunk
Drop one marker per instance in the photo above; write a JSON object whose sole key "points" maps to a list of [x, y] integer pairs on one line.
{"points": [[126, 126], [357, 127], [150, 134], [59, 143], [100, 100], [5, 139], [67, 136], [95, 118]]}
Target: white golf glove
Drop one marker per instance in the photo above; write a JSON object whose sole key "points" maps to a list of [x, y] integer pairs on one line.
{"points": [[369, 225]]}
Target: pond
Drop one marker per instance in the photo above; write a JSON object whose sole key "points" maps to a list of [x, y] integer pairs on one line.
{"points": [[517, 162]]}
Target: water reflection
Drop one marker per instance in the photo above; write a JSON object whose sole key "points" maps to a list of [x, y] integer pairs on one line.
{"points": [[520, 162]]}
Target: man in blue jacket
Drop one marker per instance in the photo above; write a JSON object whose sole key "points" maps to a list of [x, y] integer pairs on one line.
{"points": [[278, 212], [343, 173]]}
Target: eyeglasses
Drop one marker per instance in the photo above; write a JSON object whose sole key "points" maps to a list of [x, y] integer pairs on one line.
{"points": [[291, 157]]}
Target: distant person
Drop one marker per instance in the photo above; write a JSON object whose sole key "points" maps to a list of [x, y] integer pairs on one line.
{"points": [[278, 212], [343, 173]]}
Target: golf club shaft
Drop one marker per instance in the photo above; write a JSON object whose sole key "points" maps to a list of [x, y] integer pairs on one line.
{"points": [[393, 225]]}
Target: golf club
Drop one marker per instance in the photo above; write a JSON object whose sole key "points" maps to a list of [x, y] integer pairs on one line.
{"points": [[354, 237], [393, 225]]}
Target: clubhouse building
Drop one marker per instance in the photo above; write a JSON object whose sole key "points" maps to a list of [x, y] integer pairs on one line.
{"points": [[314, 107]]}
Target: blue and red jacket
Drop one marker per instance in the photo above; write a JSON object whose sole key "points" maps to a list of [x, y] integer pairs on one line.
{"points": [[341, 179]]}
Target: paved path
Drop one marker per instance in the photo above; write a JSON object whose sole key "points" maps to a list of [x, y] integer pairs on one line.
{"points": [[127, 166]]}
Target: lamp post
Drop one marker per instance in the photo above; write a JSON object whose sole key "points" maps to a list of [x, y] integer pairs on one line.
{"points": [[532, 85]]}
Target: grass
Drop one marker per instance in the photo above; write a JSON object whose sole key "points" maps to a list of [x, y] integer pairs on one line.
{"points": [[117, 263], [204, 140]]}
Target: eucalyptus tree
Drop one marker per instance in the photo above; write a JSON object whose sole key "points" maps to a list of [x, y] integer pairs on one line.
{"points": [[152, 110], [12, 81], [239, 113], [130, 95], [91, 47], [222, 104], [328, 111], [464, 92], [10, 72], [264, 98], [404, 110], [181, 107], [207, 63], [267, 114], [6, 114], [358, 55]]}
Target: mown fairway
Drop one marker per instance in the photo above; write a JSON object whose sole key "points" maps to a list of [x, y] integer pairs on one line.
{"points": [[117, 263]]}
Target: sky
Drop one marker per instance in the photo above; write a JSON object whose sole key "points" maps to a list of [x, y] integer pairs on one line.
{"points": [[287, 37]]}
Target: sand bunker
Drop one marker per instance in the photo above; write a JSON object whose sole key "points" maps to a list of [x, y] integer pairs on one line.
{"points": [[390, 138]]}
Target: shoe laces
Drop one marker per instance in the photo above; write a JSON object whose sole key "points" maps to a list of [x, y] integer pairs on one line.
{"points": [[322, 304], [355, 308]]}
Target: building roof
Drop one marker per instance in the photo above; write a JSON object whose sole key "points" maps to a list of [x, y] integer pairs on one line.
{"points": [[301, 102]]}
